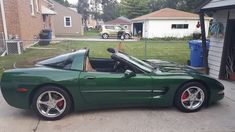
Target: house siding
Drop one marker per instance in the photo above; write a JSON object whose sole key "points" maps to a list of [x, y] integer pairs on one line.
{"points": [[216, 45], [60, 30], [162, 28]]}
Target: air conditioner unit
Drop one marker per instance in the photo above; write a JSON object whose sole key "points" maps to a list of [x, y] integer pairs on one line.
{"points": [[14, 47]]}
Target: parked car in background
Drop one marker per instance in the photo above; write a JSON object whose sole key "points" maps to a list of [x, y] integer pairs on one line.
{"points": [[114, 31]]}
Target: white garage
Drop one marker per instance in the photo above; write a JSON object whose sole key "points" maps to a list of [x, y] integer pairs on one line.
{"points": [[167, 22]]}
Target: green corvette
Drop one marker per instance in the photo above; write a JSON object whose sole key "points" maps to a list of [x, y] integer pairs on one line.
{"points": [[75, 82]]}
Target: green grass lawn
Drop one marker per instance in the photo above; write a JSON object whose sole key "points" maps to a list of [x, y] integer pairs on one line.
{"points": [[177, 51], [91, 33]]}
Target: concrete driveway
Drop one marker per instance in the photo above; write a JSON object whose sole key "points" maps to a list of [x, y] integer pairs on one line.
{"points": [[217, 118]]}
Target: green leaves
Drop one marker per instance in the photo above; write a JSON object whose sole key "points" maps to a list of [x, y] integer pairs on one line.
{"points": [[63, 2], [134, 8]]}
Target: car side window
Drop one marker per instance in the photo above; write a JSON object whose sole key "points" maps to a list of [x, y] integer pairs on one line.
{"points": [[118, 28], [109, 27]]}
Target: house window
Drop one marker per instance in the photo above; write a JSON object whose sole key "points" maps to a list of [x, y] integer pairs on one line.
{"points": [[32, 7], [36, 6], [67, 21], [126, 27], [179, 26]]}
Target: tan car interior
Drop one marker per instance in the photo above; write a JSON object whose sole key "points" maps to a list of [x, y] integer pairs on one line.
{"points": [[88, 65]]}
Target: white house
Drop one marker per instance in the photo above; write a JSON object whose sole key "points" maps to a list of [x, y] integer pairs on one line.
{"points": [[221, 57], [167, 22]]}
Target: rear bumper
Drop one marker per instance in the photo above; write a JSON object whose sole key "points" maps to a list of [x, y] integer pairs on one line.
{"points": [[14, 98]]}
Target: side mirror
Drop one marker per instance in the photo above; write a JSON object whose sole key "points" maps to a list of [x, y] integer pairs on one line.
{"points": [[129, 74]]}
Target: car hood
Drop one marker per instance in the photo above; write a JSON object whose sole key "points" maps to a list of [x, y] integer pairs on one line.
{"points": [[171, 67]]}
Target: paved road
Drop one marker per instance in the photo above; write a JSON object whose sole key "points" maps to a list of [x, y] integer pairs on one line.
{"points": [[217, 118]]}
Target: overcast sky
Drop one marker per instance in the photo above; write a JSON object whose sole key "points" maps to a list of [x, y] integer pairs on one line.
{"points": [[73, 1]]}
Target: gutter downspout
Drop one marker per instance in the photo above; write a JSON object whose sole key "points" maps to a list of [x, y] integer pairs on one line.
{"points": [[4, 25], [4, 20]]}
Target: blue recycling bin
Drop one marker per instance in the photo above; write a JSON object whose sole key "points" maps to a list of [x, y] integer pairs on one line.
{"points": [[49, 33], [196, 52]]}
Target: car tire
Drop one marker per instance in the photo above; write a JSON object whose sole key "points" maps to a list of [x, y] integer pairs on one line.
{"points": [[51, 103], [127, 36], [191, 97], [105, 36]]}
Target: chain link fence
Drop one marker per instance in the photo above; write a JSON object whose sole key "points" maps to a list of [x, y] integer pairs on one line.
{"points": [[176, 51], [2, 43], [34, 50]]}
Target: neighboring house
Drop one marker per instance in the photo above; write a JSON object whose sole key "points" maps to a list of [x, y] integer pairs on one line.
{"points": [[24, 19], [67, 21], [120, 21], [221, 58], [167, 22]]}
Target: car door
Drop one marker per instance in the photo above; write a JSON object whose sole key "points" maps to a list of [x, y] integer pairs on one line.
{"points": [[102, 88], [112, 31]]}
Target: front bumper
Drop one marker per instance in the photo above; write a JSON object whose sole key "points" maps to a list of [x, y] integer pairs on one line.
{"points": [[216, 96]]}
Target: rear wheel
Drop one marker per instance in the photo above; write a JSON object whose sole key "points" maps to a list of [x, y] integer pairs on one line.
{"points": [[191, 97], [51, 103], [105, 36]]}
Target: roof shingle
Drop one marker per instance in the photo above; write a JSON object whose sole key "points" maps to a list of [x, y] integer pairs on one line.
{"points": [[168, 13]]}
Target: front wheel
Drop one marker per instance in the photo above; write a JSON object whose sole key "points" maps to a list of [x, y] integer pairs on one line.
{"points": [[127, 36], [191, 97], [51, 103]]}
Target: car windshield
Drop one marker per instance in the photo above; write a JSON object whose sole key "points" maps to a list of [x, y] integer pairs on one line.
{"points": [[137, 62], [119, 28]]}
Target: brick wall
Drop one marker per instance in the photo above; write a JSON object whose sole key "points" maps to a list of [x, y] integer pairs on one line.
{"points": [[30, 25], [21, 22], [12, 18], [1, 24]]}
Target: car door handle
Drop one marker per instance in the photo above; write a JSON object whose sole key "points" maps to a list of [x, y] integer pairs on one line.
{"points": [[89, 78]]}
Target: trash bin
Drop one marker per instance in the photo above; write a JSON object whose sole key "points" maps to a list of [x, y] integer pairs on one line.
{"points": [[45, 37], [48, 32], [196, 52]]}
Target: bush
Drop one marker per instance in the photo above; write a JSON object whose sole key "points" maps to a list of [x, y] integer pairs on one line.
{"points": [[186, 38]]}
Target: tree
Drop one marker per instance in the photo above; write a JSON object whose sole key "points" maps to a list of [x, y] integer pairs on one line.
{"points": [[63, 2], [189, 5], [95, 11], [109, 9], [185, 5], [66, 3], [135, 8], [83, 9]]}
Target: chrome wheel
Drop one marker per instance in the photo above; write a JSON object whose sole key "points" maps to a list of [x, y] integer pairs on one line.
{"points": [[105, 36], [192, 98], [51, 104]]}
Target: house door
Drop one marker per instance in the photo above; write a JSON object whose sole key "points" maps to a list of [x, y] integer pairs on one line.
{"points": [[138, 29], [227, 70]]}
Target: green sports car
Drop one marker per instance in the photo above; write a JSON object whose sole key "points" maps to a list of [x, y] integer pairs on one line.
{"points": [[75, 82]]}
